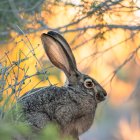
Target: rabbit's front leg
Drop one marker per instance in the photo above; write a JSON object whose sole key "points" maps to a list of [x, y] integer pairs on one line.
{"points": [[65, 116]]}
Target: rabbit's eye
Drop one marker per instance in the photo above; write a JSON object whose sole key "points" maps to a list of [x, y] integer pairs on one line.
{"points": [[88, 83]]}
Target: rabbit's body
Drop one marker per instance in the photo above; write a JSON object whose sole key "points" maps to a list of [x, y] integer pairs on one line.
{"points": [[71, 107]]}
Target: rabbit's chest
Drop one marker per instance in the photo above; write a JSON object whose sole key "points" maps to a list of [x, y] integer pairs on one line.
{"points": [[84, 123], [80, 125]]}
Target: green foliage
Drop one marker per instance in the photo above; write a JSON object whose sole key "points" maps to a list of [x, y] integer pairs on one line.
{"points": [[50, 132], [20, 130], [10, 128]]}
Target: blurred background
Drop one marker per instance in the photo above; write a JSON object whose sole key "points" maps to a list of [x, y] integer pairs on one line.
{"points": [[105, 38]]}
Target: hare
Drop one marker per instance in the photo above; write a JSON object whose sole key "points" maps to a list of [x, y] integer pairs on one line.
{"points": [[72, 107]]}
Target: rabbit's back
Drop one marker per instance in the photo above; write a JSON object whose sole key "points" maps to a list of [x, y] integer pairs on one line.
{"points": [[43, 99]]}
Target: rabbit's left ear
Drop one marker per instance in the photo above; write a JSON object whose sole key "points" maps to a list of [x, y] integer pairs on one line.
{"points": [[59, 52]]}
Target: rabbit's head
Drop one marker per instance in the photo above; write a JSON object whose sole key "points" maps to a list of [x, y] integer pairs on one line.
{"points": [[60, 54]]}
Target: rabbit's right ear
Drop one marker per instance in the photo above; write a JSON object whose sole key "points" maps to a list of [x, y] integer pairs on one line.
{"points": [[59, 52]]}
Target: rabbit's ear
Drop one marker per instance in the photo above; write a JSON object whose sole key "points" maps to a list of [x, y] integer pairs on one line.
{"points": [[59, 52], [64, 43]]}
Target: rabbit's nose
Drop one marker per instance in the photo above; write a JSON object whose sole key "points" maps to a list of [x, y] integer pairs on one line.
{"points": [[101, 94]]}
